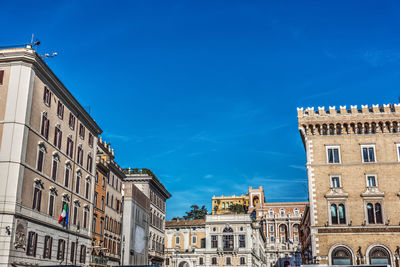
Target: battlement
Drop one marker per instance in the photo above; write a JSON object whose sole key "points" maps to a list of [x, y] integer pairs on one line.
{"points": [[343, 110]]}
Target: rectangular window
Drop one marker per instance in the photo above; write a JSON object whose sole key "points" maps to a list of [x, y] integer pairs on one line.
{"points": [[87, 190], [333, 154], [1, 76], [90, 140], [37, 198], [32, 243], [85, 217], [79, 158], [101, 226], [70, 147], [61, 249], [368, 153], [194, 239], [335, 182], [57, 137], [60, 110], [66, 177], [48, 240], [203, 243], [51, 205], [40, 160], [95, 200], [94, 225], [47, 96], [89, 163], [201, 261], [228, 261], [242, 241], [54, 169], [44, 130], [271, 228], [71, 121], [82, 258], [78, 181], [75, 215], [213, 260], [73, 247], [272, 239], [81, 131], [214, 241], [371, 181]]}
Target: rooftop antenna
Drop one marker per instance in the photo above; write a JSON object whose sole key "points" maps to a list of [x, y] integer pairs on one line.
{"points": [[32, 44]]}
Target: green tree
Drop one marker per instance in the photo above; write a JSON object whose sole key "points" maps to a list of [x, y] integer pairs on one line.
{"points": [[237, 208], [196, 213]]}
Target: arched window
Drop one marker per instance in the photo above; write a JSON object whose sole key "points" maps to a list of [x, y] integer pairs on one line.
{"points": [[334, 216], [342, 214], [378, 213], [370, 212], [341, 256], [379, 255]]}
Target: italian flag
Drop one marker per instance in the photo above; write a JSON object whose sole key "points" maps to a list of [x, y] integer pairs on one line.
{"points": [[64, 216]]}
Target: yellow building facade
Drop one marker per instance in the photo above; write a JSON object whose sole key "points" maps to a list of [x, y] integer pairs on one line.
{"points": [[221, 205]]}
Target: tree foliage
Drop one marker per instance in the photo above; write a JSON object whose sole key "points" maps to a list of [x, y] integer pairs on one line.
{"points": [[238, 208], [196, 213]]}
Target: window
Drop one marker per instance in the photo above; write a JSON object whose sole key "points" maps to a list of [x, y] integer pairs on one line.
{"points": [[296, 212], [371, 181], [87, 188], [194, 239], [82, 258], [70, 147], [67, 174], [89, 163], [379, 256], [75, 218], [90, 140], [177, 239], [57, 137], [272, 238], [104, 182], [335, 181], [282, 211], [271, 228], [398, 151], [368, 153], [81, 131], [214, 260], [201, 261], [94, 225], [227, 239], [107, 197], [214, 241], [54, 168], [228, 261], [47, 96], [51, 204], [242, 260], [48, 240], [1, 76], [374, 213], [32, 243], [338, 214], [203, 243], [85, 217], [282, 239], [73, 248], [61, 249], [79, 158], [242, 241], [44, 129], [333, 154], [40, 157], [37, 198], [102, 202], [95, 200], [71, 121], [60, 110], [295, 228], [341, 256], [101, 226], [78, 181]]}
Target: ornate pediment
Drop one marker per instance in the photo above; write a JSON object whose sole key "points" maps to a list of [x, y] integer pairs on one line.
{"points": [[336, 192], [373, 192]]}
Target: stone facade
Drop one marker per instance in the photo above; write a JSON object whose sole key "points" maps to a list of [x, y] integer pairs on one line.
{"points": [[148, 183], [136, 214], [353, 169], [48, 143], [219, 240]]}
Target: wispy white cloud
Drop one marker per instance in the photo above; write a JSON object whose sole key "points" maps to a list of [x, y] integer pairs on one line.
{"points": [[300, 167], [208, 176]]}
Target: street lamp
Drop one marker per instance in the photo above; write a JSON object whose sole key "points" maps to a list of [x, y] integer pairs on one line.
{"points": [[76, 243]]}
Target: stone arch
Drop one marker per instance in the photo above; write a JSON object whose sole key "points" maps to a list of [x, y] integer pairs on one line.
{"points": [[184, 263], [378, 246], [345, 247]]}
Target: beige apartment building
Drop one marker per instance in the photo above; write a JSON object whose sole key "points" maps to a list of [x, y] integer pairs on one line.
{"points": [[218, 240], [146, 181], [113, 204], [353, 165], [47, 147]]}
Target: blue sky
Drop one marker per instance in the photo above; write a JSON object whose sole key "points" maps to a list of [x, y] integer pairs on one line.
{"points": [[204, 93]]}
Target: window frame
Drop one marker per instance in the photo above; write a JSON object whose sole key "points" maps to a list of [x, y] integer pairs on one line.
{"points": [[331, 176], [51, 209], [327, 147], [346, 213], [362, 146], [47, 96], [60, 109], [375, 178]]}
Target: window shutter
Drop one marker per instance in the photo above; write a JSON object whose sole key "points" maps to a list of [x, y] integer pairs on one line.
{"points": [[1, 76], [39, 201], [35, 245]]}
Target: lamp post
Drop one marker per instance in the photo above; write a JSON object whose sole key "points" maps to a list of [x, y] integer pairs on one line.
{"points": [[76, 243]]}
